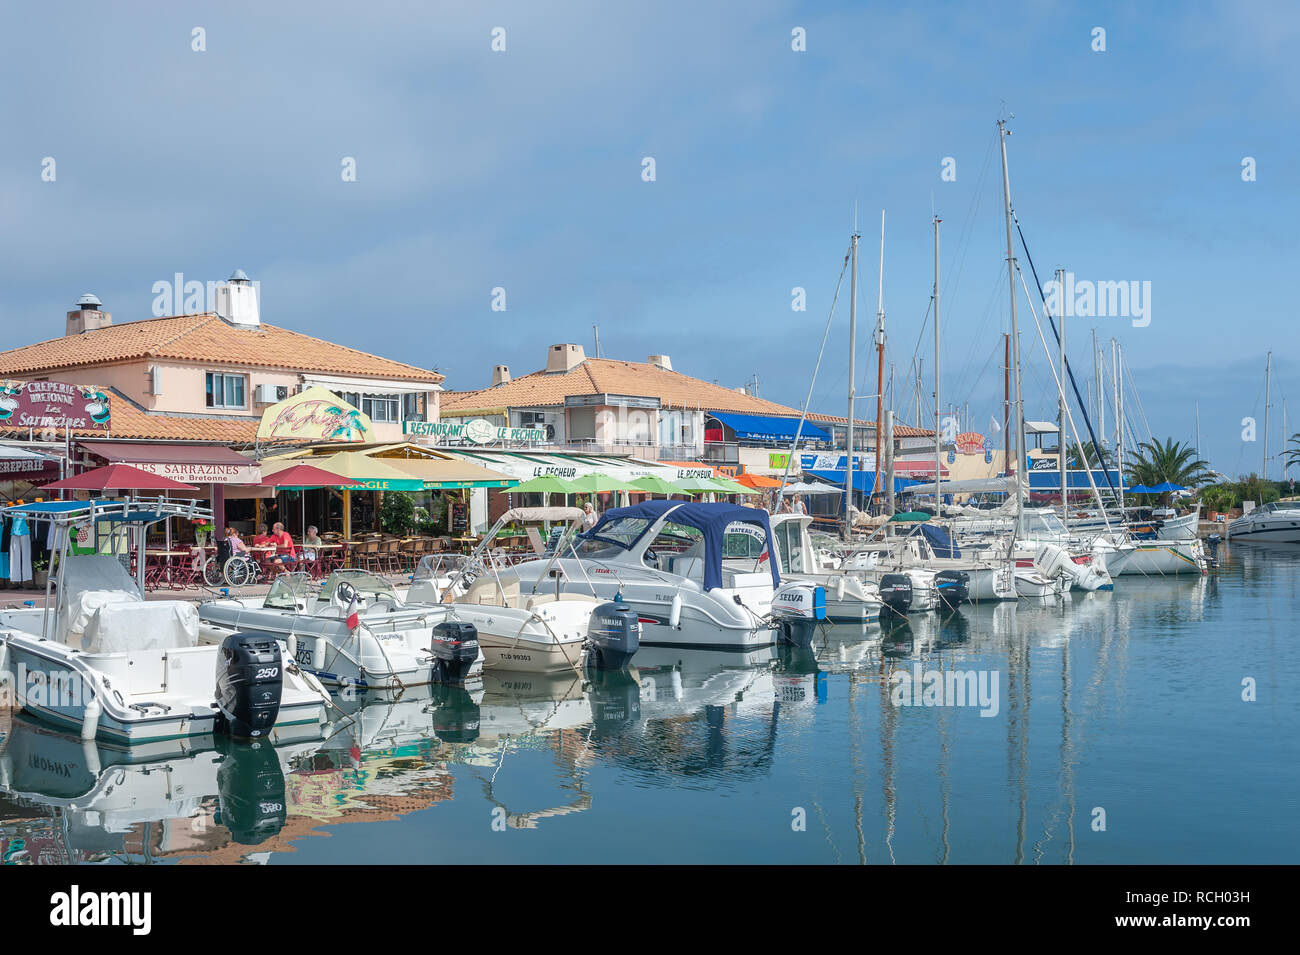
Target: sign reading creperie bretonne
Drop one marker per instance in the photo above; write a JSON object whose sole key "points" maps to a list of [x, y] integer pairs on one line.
{"points": [[204, 473], [53, 404]]}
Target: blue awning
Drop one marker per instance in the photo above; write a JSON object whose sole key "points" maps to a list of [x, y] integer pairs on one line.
{"points": [[862, 480], [1040, 480], [769, 428]]}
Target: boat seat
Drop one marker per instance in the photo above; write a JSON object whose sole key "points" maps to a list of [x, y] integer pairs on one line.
{"points": [[485, 592]]}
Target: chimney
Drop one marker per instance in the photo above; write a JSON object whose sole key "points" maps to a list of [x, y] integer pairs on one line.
{"points": [[562, 358], [500, 375], [237, 301], [662, 361], [88, 316]]}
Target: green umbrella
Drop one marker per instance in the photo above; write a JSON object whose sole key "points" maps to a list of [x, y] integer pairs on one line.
{"points": [[732, 487], [545, 484], [656, 485], [595, 483]]}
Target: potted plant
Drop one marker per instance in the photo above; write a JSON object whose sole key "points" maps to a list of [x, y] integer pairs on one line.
{"points": [[202, 528], [40, 572]]}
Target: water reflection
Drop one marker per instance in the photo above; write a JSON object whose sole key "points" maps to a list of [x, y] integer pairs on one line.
{"points": [[1106, 699]]}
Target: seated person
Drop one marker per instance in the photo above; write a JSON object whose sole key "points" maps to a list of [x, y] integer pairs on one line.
{"points": [[310, 543], [285, 552], [237, 545], [262, 537]]}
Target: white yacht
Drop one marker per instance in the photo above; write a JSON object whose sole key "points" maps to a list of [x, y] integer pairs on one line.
{"points": [[697, 575], [850, 599], [102, 660], [1276, 523]]}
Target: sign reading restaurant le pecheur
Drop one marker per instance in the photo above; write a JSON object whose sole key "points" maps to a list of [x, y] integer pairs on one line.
{"points": [[53, 404], [476, 431]]}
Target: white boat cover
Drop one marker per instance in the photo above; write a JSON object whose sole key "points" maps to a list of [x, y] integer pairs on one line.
{"points": [[152, 625], [91, 581], [539, 514]]}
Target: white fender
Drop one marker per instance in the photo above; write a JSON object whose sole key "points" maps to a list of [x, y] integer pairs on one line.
{"points": [[90, 719], [839, 587], [675, 612]]}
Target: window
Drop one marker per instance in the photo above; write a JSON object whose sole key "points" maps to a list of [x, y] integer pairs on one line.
{"points": [[413, 407], [380, 407], [225, 391]]}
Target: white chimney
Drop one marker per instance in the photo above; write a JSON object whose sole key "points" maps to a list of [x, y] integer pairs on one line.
{"points": [[88, 316], [662, 361], [560, 358], [237, 301], [500, 375]]}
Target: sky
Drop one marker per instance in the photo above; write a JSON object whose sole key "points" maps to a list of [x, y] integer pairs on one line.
{"points": [[525, 169]]}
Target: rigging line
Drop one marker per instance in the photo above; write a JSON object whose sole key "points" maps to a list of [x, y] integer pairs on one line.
{"points": [[1087, 420], [803, 416], [1128, 380], [963, 246]]}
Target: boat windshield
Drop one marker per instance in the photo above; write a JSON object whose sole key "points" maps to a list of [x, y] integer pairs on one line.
{"points": [[1046, 522], [289, 592], [342, 584], [434, 566], [615, 535]]}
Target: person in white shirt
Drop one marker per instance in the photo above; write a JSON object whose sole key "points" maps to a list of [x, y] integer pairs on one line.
{"points": [[798, 505], [589, 516]]}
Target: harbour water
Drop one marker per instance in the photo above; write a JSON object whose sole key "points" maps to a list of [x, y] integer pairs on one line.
{"points": [[1154, 724]]}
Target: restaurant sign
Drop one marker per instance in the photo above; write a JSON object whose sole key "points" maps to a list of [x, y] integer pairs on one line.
{"points": [[684, 474], [188, 473], [476, 431], [53, 404], [314, 414]]}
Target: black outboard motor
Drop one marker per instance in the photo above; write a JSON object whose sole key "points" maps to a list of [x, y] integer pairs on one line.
{"points": [[1212, 545], [896, 592], [455, 715], [251, 799], [613, 636], [799, 609], [953, 587], [455, 648], [250, 681]]}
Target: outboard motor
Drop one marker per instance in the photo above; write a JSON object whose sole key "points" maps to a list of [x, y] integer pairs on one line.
{"points": [[953, 587], [896, 592], [251, 794], [798, 608], [613, 636], [250, 681], [455, 648], [1212, 546], [455, 715]]}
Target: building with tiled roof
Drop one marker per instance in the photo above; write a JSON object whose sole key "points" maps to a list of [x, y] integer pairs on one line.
{"points": [[209, 376]]}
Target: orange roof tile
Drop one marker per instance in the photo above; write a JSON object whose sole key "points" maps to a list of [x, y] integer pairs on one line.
{"points": [[610, 376], [205, 337]]}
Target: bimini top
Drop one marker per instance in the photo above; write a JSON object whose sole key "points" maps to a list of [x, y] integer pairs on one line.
{"points": [[140, 510], [709, 519]]}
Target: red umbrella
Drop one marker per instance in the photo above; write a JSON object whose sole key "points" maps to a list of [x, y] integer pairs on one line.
{"points": [[118, 477]]}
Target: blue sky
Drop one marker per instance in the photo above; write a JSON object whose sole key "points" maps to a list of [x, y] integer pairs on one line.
{"points": [[523, 169]]}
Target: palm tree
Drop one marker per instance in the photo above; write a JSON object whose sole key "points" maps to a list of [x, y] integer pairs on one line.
{"points": [[1291, 455], [1173, 461]]}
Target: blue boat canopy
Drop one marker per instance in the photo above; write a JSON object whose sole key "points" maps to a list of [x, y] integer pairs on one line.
{"points": [[940, 541], [862, 480], [769, 427], [709, 519]]}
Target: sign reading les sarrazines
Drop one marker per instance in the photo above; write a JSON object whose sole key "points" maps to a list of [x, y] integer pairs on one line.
{"points": [[53, 404], [315, 414]]}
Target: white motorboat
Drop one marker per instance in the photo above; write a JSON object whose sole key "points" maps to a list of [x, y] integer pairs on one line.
{"points": [[849, 598], [102, 660], [697, 575], [540, 630], [1276, 523], [353, 631]]}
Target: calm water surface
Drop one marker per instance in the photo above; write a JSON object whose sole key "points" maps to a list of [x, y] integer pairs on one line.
{"points": [[1130, 703]]}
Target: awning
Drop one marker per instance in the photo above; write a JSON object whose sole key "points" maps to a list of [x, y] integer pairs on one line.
{"points": [[441, 475], [524, 466], [187, 463], [862, 480], [1075, 480], [20, 464], [768, 427]]}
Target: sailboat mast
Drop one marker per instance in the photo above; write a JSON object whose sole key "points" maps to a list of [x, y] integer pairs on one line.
{"points": [[880, 353], [1119, 418], [853, 350], [938, 422], [1268, 381], [1015, 329], [1006, 402], [1060, 405]]}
